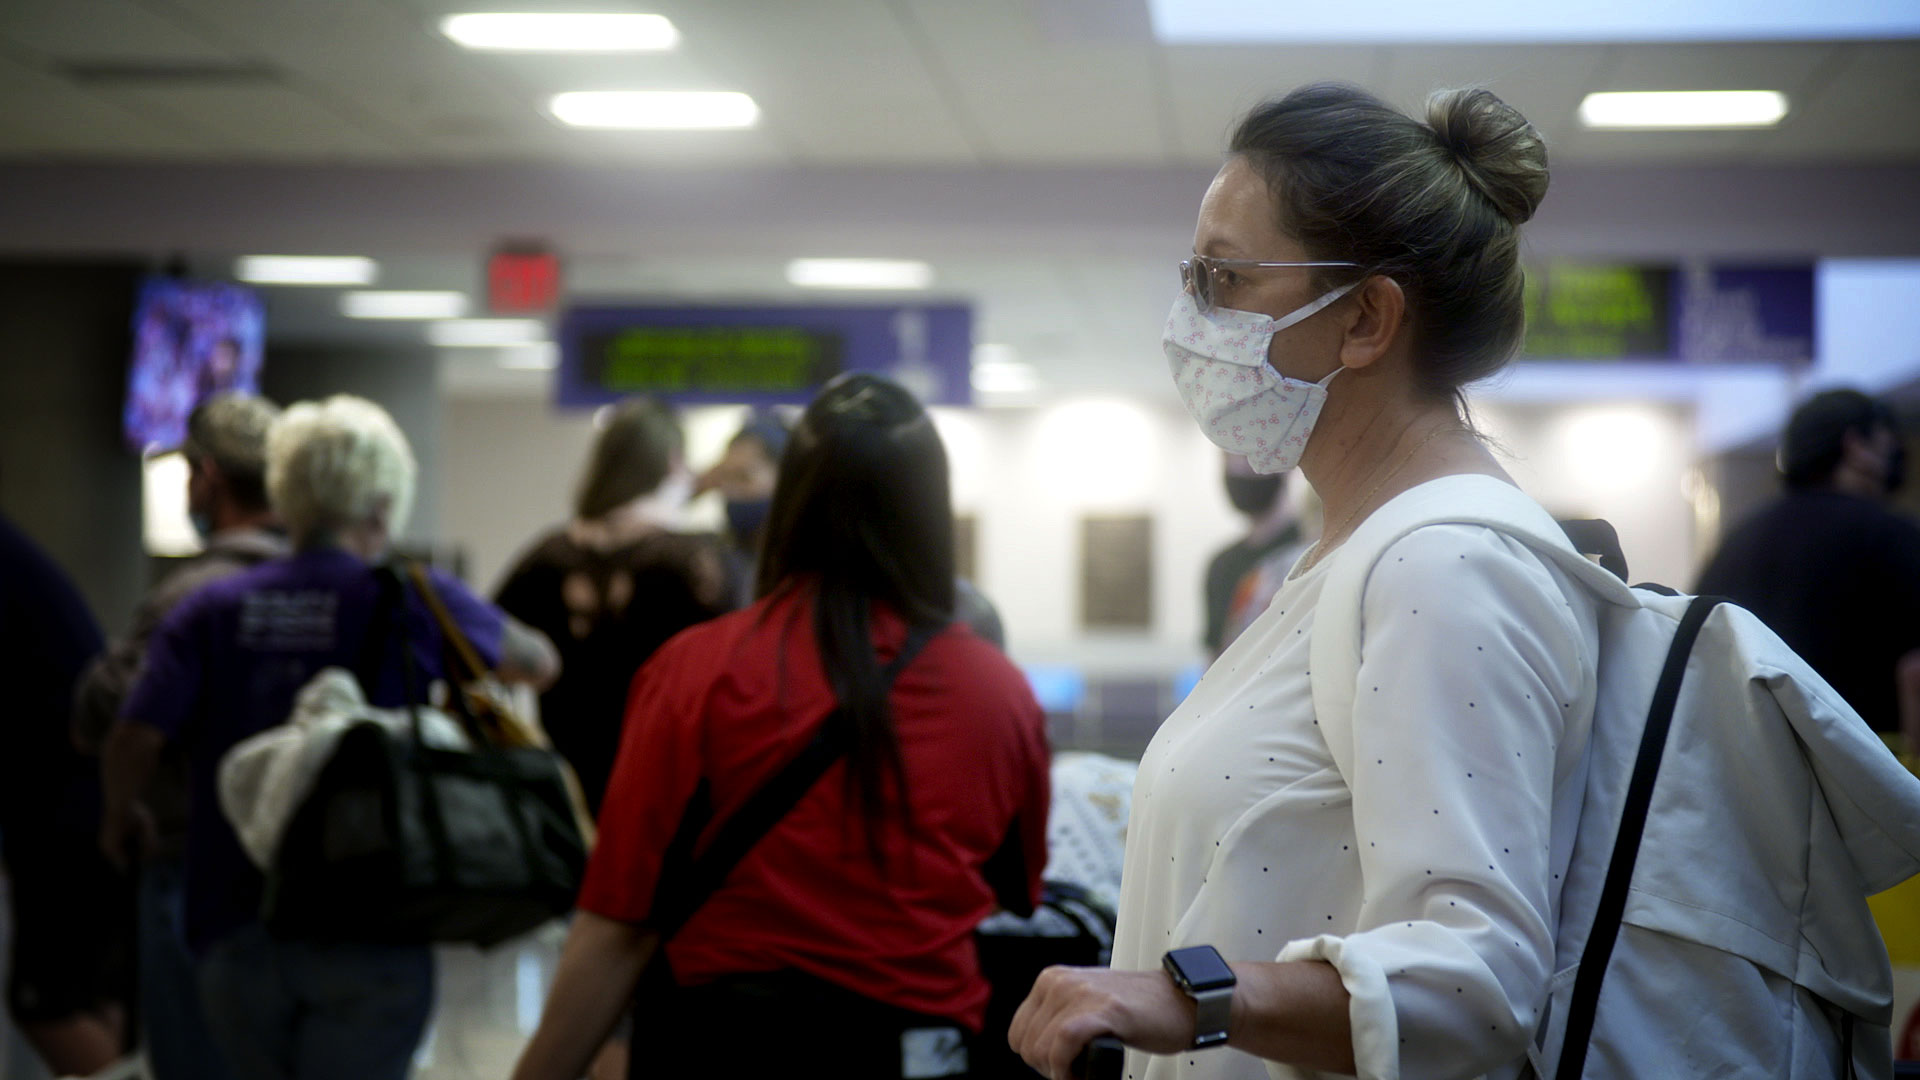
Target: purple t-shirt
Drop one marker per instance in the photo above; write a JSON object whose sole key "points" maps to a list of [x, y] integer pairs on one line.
{"points": [[227, 664]]}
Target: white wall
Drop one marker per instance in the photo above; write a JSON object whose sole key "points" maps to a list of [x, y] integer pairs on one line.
{"points": [[1626, 461], [1029, 476]]}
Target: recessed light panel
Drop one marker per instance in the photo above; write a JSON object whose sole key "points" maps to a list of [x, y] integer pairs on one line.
{"points": [[526, 31], [859, 274], [398, 304], [486, 333], [1672, 110], [1237, 22], [656, 110], [306, 270]]}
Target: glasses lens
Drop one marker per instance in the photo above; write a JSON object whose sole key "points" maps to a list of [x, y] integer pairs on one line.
{"points": [[1197, 277]]}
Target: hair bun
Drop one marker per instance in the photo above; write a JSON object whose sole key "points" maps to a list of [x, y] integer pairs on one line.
{"points": [[1502, 155]]}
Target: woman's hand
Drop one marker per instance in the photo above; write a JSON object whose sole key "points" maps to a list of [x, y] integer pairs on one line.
{"points": [[1069, 1007]]}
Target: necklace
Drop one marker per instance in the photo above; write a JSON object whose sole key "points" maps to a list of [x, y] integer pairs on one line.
{"points": [[1320, 546]]}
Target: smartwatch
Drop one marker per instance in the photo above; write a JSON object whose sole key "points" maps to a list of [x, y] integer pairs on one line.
{"points": [[1202, 975]]}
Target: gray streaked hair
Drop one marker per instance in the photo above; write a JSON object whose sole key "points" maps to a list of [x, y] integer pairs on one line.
{"points": [[337, 463], [230, 430], [1436, 206]]}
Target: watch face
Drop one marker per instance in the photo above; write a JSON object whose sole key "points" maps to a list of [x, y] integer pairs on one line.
{"points": [[1200, 967]]}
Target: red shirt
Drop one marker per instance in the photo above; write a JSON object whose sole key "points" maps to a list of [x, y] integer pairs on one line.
{"points": [[734, 700]]}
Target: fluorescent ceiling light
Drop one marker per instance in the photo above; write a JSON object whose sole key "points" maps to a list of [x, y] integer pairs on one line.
{"points": [[515, 31], [403, 305], [306, 269], [1672, 109], [1005, 377], [1236, 22], [859, 274], [656, 110], [486, 333], [544, 356]]}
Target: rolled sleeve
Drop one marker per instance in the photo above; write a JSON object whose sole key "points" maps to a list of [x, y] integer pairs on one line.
{"points": [[1473, 670]]}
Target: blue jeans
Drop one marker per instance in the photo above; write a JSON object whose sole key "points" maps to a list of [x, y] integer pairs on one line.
{"points": [[179, 1047], [299, 1010]]}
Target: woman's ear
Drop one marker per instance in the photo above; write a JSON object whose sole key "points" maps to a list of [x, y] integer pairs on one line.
{"points": [[1374, 321]]}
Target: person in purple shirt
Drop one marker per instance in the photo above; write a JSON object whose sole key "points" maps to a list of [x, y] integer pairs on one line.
{"points": [[227, 664]]}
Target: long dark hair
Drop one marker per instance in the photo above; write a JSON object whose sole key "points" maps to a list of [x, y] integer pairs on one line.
{"points": [[862, 515], [631, 456]]}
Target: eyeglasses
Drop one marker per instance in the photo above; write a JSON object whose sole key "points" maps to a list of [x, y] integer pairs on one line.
{"points": [[1201, 274]]}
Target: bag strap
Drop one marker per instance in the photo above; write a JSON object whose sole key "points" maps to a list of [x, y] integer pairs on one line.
{"points": [[382, 626], [456, 637], [679, 895], [1626, 843]]}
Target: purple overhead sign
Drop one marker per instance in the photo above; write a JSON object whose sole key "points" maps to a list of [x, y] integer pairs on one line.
{"points": [[767, 355]]}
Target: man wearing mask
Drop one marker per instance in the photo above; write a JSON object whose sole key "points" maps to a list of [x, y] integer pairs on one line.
{"points": [[1237, 590], [226, 452], [744, 477], [1830, 567]]}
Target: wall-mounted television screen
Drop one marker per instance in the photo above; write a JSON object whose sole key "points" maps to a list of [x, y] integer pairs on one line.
{"points": [[191, 339]]}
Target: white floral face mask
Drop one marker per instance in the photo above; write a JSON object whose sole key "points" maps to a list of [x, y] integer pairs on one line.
{"points": [[1219, 364]]}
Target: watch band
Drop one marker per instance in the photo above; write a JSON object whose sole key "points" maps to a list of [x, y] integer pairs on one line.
{"points": [[1211, 1010], [1200, 972]]}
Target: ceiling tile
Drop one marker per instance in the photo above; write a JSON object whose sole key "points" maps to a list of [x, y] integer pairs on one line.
{"points": [[1039, 100], [1544, 82], [256, 121], [1868, 109], [1212, 85], [837, 81], [1780, 66], [46, 115], [99, 30]]}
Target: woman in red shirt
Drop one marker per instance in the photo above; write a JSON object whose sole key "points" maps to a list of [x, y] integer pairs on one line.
{"points": [[843, 939]]}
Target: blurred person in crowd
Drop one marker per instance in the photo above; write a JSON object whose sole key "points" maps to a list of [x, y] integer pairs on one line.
{"points": [[1829, 566], [971, 606], [842, 942], [612, 585], [1239, 578], [1354, 270], [226, 452], [744, 476], [69, 976], [225, 664]]}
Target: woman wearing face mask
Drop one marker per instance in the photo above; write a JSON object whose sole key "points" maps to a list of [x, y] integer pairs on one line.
{"points": [[613, 584], [1388, 910], [744, 477]]}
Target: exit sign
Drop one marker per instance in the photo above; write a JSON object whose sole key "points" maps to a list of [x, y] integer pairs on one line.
{"points": [[523, 282]]}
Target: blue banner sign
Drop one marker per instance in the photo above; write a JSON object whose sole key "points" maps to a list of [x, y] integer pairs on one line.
{"points": [[697, 355], [1693, 314]]}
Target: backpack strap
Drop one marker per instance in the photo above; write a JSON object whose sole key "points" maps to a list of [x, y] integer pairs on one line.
{"points": [[688, 881], [1626, 845]]}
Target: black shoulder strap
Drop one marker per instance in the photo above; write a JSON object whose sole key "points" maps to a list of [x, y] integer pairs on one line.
{"points": [[1626, 843], [387, 622], [687, 882]]}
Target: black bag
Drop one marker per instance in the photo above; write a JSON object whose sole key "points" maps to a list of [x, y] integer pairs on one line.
{"points": [[1069, 927], [401, 842]]}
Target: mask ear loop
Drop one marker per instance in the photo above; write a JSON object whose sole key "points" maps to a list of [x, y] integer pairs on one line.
{"points": [[1302, 314]]}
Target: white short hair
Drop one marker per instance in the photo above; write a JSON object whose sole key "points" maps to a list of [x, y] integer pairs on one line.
{"points": [[337, 463]]}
